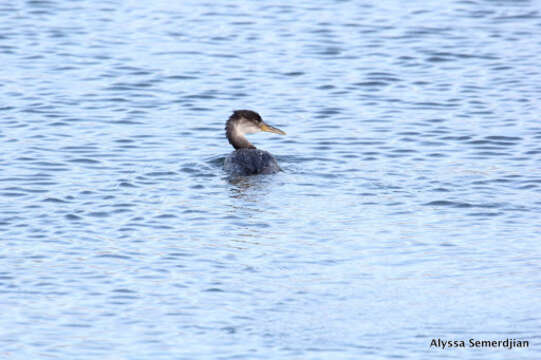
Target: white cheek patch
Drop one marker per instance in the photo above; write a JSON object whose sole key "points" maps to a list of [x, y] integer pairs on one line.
{"points": [[247, 127]]}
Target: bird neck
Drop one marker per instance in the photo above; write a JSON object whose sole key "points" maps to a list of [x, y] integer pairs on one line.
{"points": [[235, 137]]}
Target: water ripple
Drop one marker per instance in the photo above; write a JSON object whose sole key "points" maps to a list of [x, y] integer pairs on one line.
{"points": [[410, 182]]}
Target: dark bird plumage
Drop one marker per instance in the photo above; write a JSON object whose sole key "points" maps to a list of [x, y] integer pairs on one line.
{"points": [[247, 159]]}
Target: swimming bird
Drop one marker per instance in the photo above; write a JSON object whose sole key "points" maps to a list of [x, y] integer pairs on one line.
{"points": [[247, 159]]}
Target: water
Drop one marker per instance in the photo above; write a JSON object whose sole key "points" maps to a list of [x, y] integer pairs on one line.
{"points": [[408, 209]]}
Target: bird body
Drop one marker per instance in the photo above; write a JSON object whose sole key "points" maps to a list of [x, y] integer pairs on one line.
{"points": [[251, 162], [247, 159]]}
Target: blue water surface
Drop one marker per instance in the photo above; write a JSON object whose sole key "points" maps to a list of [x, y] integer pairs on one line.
{"points": [[407, 210]]}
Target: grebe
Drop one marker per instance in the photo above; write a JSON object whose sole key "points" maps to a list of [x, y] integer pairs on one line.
{"points": [[247, 159]]}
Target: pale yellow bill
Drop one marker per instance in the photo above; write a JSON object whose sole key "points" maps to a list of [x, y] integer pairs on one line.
{"points": [[268, 128]]}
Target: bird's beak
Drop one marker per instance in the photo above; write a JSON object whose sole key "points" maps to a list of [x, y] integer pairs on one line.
{"points": [[268, 128]]}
